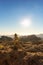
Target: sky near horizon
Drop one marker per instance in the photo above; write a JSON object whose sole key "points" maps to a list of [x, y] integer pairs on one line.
{"points": [[15, 12]]}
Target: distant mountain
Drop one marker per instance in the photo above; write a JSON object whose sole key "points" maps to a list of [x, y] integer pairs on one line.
{"points": [[5, 38], [30, 38], [40, 35]]}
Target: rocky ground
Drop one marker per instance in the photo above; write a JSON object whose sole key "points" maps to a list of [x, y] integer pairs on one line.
{"points": [[20, 53], [20, 57]]}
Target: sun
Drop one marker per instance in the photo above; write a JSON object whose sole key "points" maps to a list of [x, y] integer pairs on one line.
{"points": [[26, 22]]}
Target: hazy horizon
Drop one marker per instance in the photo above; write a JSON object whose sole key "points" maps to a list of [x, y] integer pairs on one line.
{"points": [[20, 34]]}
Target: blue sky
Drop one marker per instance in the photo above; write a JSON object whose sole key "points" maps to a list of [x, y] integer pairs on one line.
{"points": [[13, 11]]}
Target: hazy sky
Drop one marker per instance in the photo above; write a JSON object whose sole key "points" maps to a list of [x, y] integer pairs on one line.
{"points": [[12, 13]]}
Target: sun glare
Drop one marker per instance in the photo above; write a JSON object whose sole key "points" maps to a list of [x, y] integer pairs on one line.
{"points": [[26, 22]]}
